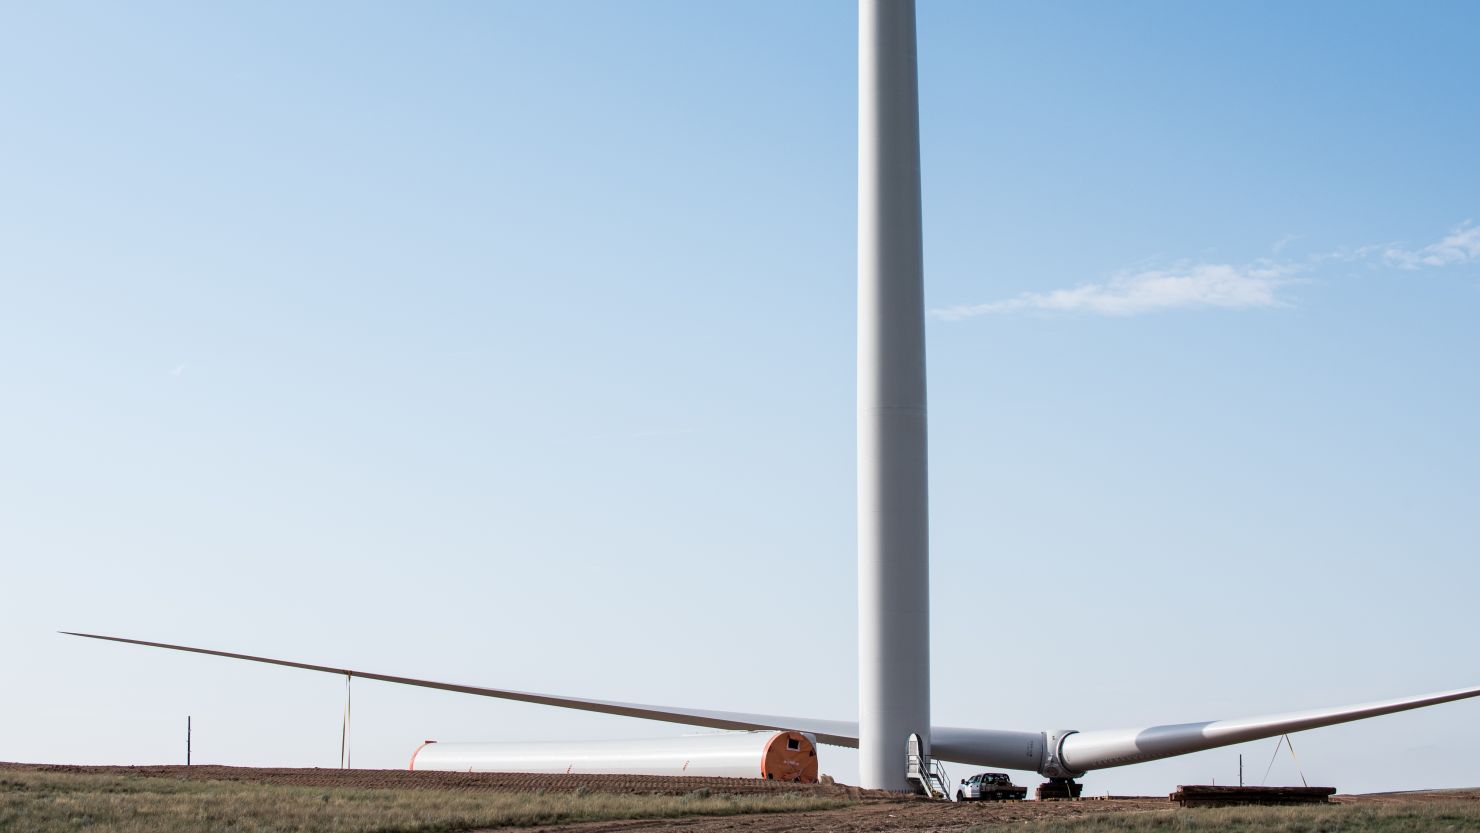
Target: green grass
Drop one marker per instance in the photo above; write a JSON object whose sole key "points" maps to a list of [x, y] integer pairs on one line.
{"points": [[1404, 817], [45, 802]]}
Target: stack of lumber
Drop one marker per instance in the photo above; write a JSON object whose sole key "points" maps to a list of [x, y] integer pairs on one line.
{"points": [[1206, 796]]}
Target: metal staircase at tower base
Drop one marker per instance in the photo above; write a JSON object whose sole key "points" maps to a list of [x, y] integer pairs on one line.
{"points": [[926, 774]]}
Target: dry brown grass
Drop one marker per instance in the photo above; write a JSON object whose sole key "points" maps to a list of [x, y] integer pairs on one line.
{"points": [[1404, 817], [50, 802]]}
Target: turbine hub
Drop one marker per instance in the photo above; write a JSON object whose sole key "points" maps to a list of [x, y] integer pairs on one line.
{"points": [[1053, 765]]}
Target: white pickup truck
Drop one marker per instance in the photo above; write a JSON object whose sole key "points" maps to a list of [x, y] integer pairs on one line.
{"points": [[990, 786]]}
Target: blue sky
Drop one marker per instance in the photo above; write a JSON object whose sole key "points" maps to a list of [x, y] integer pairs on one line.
{"points": [[513, 344]]}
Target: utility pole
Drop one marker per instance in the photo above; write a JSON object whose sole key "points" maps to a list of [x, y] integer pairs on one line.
{"points": [[344, 752], [187, 740]]}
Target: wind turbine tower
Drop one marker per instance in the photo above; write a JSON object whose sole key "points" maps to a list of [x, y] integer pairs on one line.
{"points": [[893, 511]]}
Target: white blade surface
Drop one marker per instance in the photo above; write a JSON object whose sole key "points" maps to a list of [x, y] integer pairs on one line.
{"points": [[1117, 747], [1081, 751], [836, 732]]}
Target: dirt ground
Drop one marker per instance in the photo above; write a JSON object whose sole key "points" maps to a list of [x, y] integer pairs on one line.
{"points": [[913, 814], [460, 781], [874, 811], [881, 813]]}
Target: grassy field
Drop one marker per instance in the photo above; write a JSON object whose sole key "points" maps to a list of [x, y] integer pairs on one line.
{"points": [[236, 800], [45, 802], [1406, 817]]}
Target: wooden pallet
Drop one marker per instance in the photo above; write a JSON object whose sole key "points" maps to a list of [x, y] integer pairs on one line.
{"points": [[1208, 796]]}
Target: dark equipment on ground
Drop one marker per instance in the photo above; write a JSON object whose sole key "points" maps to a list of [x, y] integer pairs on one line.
{"points": [[1059, 789], [1208, 796]]}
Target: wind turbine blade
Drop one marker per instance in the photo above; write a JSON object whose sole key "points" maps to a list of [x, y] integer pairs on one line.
{"points": [[1081, 751], [1084, 751], [835, 732]]}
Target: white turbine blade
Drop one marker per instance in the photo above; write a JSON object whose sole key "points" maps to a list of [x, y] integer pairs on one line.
{"points": [[835, 732], [1081, 751], [994, 748], [1084, 751]]}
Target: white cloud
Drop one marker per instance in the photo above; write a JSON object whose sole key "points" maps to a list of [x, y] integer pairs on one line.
{"points": [[1460, 246], [1280, 244], [1219, 285], [1184, 286]]}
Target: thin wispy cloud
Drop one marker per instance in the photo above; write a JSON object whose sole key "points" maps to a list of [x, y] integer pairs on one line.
{"points": [[1190, 285], [1460, 246], [1183, 286], [1280, 244]]}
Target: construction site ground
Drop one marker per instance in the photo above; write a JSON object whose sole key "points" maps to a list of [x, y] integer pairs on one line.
{"points": [[869, 810]]}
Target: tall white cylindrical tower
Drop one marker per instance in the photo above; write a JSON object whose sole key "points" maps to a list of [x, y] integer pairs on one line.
{"points": [[893, 529]]}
